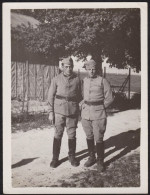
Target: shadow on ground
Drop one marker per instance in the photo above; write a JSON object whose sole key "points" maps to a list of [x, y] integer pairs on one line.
{"points": [[23, 162], [122, 103], [123, 172], [26, 121], [127, 141]]}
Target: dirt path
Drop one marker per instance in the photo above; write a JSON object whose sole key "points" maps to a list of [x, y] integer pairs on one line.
{"points": [[32, 151]]}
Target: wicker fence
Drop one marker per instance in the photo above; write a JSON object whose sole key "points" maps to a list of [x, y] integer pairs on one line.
{"points": [[31, 81]]}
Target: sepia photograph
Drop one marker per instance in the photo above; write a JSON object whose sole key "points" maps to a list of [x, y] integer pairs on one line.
{"points": [[75, 101]]}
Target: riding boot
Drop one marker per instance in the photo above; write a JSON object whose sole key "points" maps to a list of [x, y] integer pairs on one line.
{"points": [[92, 159], [56, 150], [100, 156], [71, 153]]}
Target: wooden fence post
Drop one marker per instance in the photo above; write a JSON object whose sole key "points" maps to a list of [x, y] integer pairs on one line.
{"points": [[35, 81], [129, 83], [43, 82], [104, 72], [16, 80], [49, 72], [79, 73], [54, 70], [23, 87], [27, 64]]}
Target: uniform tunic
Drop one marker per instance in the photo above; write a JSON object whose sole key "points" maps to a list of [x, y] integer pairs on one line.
{"points": [[66, 112], [94, 116]]}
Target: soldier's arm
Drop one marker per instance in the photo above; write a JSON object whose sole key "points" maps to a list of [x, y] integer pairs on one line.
{"points": [[80, 90], [51, 95], [108, 95], [81, 95]]}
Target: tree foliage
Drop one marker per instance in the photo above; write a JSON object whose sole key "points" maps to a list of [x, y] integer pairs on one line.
{"points": [[104, 33]]}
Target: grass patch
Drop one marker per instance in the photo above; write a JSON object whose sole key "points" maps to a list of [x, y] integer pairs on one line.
{"points": [[31, 121], [118, 79], [135, 82], [124, 172], [24, 122]]}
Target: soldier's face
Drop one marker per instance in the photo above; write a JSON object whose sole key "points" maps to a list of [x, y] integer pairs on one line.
{"points": [[91, 72], [67, 69]]}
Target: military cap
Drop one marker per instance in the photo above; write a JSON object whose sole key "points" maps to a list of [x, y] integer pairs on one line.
{"points": [[68, 61], [90, 64]]}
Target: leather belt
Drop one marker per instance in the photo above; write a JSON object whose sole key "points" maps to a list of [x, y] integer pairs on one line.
{"points": [[73, 99], [101, 102]]}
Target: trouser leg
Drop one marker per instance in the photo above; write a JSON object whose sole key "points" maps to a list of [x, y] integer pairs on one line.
{"points": [[88, 128], [60, 122]]}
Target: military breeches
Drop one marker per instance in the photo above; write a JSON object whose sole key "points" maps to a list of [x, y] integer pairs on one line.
{"points": [[70, 122], [94, 129]]}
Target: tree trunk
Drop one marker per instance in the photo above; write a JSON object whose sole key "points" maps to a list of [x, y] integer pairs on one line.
{"points": [[98, 60]]}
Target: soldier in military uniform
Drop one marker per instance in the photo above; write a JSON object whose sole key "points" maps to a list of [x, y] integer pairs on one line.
{"points": [[63, 97], [97, 96]]}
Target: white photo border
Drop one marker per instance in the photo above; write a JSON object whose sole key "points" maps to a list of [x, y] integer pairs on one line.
{"points": [[7, 187]]}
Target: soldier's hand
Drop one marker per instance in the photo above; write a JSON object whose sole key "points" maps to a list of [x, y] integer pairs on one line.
{"points": [[80, 105], [51, 118]]}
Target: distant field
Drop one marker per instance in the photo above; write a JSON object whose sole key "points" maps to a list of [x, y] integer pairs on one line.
{"points": [[118, 79]]}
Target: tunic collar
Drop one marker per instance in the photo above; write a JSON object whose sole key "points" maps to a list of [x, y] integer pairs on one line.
{"points": [[93, 77], [68, 77]]}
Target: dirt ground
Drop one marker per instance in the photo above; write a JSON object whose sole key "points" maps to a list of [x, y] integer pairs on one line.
{"points": [[32, 152]]}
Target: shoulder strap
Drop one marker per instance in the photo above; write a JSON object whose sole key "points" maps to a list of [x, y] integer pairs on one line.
{"points": [[102, 84]]}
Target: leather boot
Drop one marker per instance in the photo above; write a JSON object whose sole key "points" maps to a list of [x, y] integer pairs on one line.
{"points": [[92, 159], [71, 153], [100, 156], [56, 150]]}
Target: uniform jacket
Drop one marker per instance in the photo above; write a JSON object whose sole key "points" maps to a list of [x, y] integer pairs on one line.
{"points": [[96, 89], [66, 87]]}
